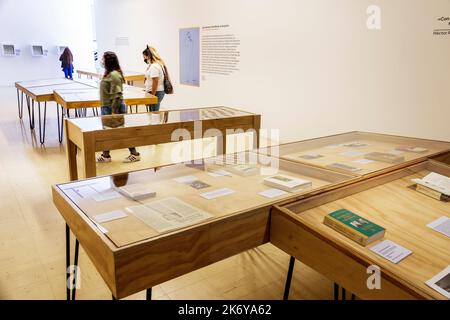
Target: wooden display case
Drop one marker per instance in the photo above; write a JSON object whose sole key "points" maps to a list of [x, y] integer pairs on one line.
{"points": [[353, 149], [96, 134], [389, 200], [130, 76], [68, 94], [132, 256]]}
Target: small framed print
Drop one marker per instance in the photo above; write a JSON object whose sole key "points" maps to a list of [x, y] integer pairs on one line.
{"points": [[441, 282]]}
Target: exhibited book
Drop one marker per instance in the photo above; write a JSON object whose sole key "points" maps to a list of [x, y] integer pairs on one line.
{"points": [[243, 170], [168, 214], [343, 167], [311, 156], [434, 185], [354, 226], [136, 191], [441, 282], [411, 149], [432, 193], [286, 183], [198, 184], [385, 157]]}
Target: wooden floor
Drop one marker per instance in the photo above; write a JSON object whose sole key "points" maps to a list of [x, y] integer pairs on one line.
{"points": [[32, 236]]}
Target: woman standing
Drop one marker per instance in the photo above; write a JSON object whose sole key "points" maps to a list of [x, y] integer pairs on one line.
{"points": [[154, 76], [111, 97], [66, 59]]}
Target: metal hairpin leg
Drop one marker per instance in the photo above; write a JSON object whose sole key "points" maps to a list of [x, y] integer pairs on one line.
{"points": [[67, 260], [148, 108], [30, 107], [148, 295], [344, 294], [353, 296], [75, 263], [60, 122], [20, 104], [42, 126], [336, 291], [77, 245], [287, 286], [137, 108]]}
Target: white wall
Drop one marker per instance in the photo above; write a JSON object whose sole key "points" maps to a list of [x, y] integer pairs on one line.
{"points": [[310, 67], [47, 22]]}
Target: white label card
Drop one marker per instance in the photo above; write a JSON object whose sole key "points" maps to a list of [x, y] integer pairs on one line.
{"points": [[272, 193], [363, 161], [216, 193], [352, 154], [395, 152], [185, 179], [219, 173], [110, 216], [391, 251], [441, 225]]}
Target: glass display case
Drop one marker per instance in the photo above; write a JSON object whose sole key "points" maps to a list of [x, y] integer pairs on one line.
{"points": [[142, 129], [359, 153], [414, 247], [163, 223]]}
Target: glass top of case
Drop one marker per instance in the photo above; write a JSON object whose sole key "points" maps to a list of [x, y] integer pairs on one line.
{"points": [[156, 118], [358, 153], [149, 203]]}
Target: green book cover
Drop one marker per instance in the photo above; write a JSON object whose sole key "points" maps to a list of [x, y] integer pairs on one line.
{"points": [[356, 222]]}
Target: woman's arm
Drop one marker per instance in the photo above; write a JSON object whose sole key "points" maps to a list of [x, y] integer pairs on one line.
{"points": [[154, 85]]}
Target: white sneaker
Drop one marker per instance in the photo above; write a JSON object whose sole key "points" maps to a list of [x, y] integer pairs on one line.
{"points": [[132, 158], [103, 159]]}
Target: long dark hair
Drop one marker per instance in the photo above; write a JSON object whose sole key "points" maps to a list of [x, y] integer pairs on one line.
{"points": [[67, 56], [112, 64]]}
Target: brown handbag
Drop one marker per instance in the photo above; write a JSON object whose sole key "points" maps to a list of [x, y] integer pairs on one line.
{"points": [[168, 88]]}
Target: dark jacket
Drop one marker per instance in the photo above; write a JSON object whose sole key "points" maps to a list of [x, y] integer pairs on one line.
{"points": [[66, 59]]}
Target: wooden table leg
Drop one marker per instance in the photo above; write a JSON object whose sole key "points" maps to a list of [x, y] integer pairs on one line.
{"points": [[256, 131], [71, 152], [90, 169], [221, 144]]}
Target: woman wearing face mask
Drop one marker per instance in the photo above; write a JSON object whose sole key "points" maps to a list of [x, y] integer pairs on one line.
{"points": [[154, 76], [111, 97]]}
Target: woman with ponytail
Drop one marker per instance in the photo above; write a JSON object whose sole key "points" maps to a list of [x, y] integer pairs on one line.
{"points": [[154, 75]]}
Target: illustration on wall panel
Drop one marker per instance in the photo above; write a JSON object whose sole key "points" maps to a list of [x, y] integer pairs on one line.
{"points": [[190, 56]]}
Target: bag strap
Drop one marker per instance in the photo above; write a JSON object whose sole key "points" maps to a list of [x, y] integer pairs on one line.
{"points": [[165, 72]]}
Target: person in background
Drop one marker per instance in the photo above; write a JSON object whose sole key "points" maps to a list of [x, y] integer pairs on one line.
{"points": [[154, 75], [111, 98], [66, 59]]}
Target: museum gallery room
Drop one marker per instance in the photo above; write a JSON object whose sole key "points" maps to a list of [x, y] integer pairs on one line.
{"points": [[224, 150]]}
